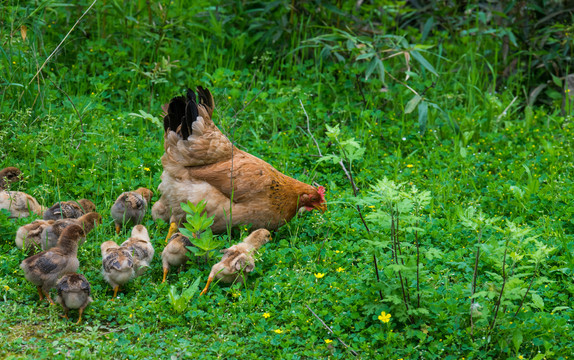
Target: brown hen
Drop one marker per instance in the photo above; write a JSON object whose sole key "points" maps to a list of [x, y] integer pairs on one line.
{"points": [[200, 163]]}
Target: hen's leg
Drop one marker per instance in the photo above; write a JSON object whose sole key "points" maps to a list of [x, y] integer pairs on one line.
{"points": [[172, 230], [165, 270], [209, 280], [118, 228]]}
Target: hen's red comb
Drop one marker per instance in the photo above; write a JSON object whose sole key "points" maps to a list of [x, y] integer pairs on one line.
{"points": [[321, 191]]}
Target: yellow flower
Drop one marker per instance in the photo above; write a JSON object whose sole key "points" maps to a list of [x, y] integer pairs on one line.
{"points": [[328, 341], [278, 331], [410, 165], [521, 357], [384, 317], [146, 168], [340, 269], [49, 170], [266, 315], [319, 275], [6, 287]]}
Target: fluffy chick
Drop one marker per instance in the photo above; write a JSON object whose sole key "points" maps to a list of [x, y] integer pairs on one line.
{"points": [[20, 204], [175, 253], [8, 175], [141, 248], [30, 236], [44, 269], [73, 293], [117, 265], [130, 208], [52, 232], [69, 209], [238, 260]]}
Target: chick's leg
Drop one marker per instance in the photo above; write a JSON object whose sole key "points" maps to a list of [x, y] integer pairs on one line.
{"points": [[165, 270], [209, 280], [65, 315], [40, 292], [47, 295], [118, 228], [116, 288], [80, 318], [172, 230]]}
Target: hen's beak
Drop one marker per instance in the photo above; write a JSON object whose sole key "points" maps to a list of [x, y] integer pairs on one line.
{"points": [[321, 207]]}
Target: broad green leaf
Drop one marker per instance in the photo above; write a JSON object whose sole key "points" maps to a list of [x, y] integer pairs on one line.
{"points": [[423, 61], [412, 104], [537, 301]]}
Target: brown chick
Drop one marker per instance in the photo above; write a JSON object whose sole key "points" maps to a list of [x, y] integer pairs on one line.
{"points": [[141, 248], [20, 204], [69, 209], [52, 232], [117, 265], [45, 268], [8, 175], [130, 208], [73, 293], [200, 163], [30, 236], [238, 261], [175, 253]]}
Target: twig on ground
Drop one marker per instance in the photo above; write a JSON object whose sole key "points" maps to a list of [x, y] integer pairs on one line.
{"points": [[309, 129], [75, 109], [331, 331], [61, 42]]}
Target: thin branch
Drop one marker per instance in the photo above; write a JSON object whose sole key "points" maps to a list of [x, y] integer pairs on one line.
{"points": [[309, 129], [527, 290], [474, 277], [61, 42], [75, 109], [331, 331]]}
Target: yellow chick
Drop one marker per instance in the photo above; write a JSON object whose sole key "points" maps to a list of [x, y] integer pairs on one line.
{"points": [[141, 248], [8, 175], [20, 204], [73, 293], [238, 261], [130, 208], [29, 237], [45, 268], [117, 265], [52, 232], [175, 253], [69, 209]]}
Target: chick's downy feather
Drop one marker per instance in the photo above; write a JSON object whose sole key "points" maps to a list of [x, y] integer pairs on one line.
{"points": [[30, 236], [69, 209], [200, 163], [52, 232], [141, 248], [20, 204], [44, 269], [117, 264]]}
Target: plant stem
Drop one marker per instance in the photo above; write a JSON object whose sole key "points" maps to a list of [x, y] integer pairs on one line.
{"points": [[501, 289], [527, 290], [473, 289]]}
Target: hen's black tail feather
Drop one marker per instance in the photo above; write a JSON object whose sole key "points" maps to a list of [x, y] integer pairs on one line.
{"points": [[182, 111]]}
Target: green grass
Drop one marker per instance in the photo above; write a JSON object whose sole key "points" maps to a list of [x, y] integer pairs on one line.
{"points": [[512, 166]]}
